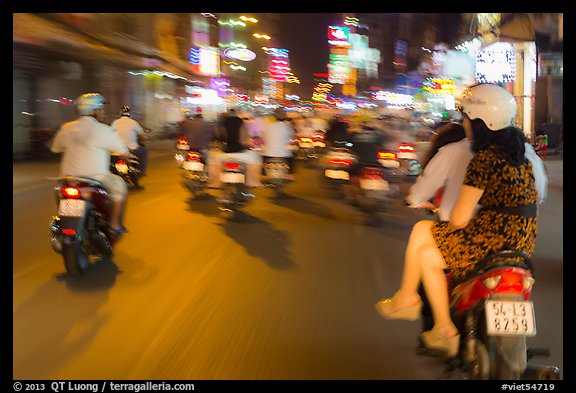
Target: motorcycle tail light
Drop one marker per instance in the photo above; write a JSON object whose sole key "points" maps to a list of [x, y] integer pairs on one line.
{"points": [[182, 141], [71, 192], [373, 173], [527, 283], [319, 137], [121, 162], [491, 282], [68, 231], [387, 155], [232, 165], [193, 156], [339, 162], [305, 139], [405, 148]]}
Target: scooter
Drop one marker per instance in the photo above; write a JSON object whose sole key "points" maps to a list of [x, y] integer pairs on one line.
{"points": [[182, 147], [276, 174], [336, 165], [492, 309], [195, 173], [235, 193], [81, 232], [127, 168]]}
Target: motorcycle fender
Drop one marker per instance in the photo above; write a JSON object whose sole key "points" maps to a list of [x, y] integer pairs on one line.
{"points": [[76, 224], [513, 350]]}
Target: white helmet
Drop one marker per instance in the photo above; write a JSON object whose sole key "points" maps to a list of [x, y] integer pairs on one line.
{"points": [[490, 103], [88, 102]]}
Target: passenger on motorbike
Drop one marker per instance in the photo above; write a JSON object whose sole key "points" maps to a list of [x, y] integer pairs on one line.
{"points": [[276, 137], [132, 134], [86, 144], [501, 180], [198, 132]]}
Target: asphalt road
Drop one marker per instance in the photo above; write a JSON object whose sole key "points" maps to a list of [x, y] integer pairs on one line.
{"points": [[288, 294]]}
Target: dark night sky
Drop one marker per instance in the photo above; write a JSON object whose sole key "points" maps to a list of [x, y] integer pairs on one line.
{"points": [[305, 35]]}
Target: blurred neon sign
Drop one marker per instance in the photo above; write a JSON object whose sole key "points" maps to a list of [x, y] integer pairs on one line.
{"points": [[240, 54]]}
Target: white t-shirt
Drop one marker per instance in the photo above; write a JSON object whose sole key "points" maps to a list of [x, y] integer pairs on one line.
{"points": [[276, 138], [447, 168], [128, 130], [85, 145]]}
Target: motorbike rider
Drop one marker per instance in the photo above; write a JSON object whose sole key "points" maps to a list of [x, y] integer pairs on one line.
{"points": [[198, 132], [132, 134], [276, 137], [86, 144], [237, 139], [501, 180]]}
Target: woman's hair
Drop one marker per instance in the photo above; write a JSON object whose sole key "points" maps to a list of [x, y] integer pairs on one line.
{"points": [[508, 141], [447, 133]]}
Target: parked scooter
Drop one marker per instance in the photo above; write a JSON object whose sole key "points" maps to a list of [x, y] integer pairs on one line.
{"points": [[195, 173], [235, 193], [80, 232], [492, 309]]}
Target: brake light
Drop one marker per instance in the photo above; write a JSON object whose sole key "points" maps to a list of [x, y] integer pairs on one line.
{"points": [[193, 156], [372, 173], [405, 148], [387, 155], [68, 231], [182, 141], [334, 161], [71, 192], [121, 162], [232, 165], [305, 139]]}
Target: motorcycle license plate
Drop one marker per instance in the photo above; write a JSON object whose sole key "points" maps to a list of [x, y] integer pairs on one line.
{"points": [[275, 173], [71, 207], [374, 184], [510, 318], [193, 166], [306, 145], [232, 177], [335, 174], [408, 156], [390, 163], [121, 168], [183, 146]]}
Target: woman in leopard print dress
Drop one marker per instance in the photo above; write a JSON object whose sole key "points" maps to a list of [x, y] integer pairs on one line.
{"points": [[501, 181]]}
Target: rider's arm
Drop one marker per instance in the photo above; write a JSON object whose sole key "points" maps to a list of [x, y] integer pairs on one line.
{"points": [[465, 206]]}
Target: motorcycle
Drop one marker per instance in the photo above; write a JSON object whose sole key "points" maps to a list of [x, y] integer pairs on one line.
{"points": [[492, 309], [373, 191], [128, 169], [195, 173], [276, 174], [182, 147], [235, 193], [81, 231], [310, 147], [336, 165], [407, 159]]}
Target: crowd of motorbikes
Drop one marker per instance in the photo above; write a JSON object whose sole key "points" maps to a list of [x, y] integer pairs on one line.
{"points": [[491, 306]]}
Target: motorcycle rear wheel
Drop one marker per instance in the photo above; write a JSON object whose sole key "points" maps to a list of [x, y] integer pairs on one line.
{"points": [[75, 259], [476, 359]]}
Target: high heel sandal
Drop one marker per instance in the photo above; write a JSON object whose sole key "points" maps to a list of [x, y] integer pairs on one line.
{"points": [[386, 309], [432, 339]]}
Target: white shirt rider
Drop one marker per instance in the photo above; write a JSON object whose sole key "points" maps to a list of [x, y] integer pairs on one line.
{"points": [[87, 144], [128, 130], [276, 138]]}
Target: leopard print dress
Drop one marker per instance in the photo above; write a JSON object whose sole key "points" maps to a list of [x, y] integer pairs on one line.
{"points": [[504, 186]]}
